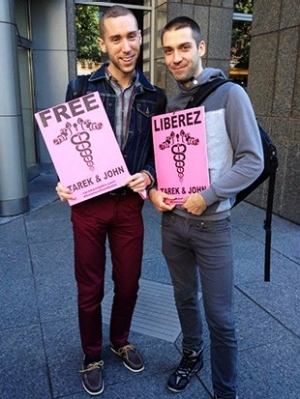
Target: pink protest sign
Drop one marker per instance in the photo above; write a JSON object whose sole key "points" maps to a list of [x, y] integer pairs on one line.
{"points": [[83, 147], [180, 152]]}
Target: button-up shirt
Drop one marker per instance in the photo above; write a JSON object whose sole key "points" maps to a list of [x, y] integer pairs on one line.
{"points": [[124, 102]]}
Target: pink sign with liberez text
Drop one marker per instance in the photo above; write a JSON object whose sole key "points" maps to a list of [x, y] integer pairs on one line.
{"points": [[180, 152], [83, 147]]}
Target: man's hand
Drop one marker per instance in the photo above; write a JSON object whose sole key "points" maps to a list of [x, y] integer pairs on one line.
{"points": [[64, 193], [194, 204], [138, 182], [160, 199]]}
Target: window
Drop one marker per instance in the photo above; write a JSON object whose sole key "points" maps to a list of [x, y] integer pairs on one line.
{"points": [[240, 44]]}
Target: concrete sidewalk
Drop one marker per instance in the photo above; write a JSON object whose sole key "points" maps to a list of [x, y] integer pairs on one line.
{"points": [[40, 352]]}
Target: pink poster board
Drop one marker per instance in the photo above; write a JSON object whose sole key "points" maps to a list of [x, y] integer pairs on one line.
{"points": [[83, 147], [180, 152]]}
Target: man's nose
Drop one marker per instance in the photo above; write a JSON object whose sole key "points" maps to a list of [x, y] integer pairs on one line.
{"points": [[177, 56], [126, 45]]}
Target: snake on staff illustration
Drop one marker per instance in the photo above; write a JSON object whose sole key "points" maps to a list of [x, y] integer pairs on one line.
{"points": [[178, 143]]}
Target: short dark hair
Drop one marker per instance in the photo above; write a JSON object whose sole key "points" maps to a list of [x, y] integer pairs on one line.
{"points": [[183, 22], [114, 12]]}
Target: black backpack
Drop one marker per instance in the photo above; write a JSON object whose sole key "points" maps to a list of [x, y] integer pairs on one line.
{"points": [[269, 171]]}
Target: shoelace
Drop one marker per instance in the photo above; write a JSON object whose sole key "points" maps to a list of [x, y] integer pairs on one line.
{"points": [[125, 349], [185, 366], [92, 366]]}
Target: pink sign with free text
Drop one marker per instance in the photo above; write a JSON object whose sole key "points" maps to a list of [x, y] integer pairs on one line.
{"points": [[83, 147], [180, 152]]}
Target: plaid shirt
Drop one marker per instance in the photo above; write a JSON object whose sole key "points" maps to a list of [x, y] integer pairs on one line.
{"points": [[124, 102]]}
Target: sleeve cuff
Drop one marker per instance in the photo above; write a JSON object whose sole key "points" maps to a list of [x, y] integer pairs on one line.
{"points": [[152, 181]]}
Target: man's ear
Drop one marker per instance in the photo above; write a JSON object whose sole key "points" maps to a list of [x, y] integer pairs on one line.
{"points": [[102, 45], [201, 48]]}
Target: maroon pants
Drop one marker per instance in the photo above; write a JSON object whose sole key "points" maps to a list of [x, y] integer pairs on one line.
{"points": [[119, 218]]}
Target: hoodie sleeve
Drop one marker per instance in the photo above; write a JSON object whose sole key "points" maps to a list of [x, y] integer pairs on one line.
{"points": [[244, 136]]}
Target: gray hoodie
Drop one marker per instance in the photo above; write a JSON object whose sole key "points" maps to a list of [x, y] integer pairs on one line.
{"points": [[234, 149]]}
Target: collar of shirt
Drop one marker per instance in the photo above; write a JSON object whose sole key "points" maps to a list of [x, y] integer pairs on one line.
{"points": [[116, 83]]}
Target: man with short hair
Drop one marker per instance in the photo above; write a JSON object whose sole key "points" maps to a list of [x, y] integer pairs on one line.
{"points": [[130, 101], [196, 237]]}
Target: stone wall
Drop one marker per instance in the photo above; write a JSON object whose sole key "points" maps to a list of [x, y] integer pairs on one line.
{"points": [[274, 88]]}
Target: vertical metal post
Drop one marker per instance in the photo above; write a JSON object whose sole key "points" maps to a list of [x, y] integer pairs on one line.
{"points": [[14, 198], [152, 40]]}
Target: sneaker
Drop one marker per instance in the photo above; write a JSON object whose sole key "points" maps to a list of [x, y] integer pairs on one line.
{"points": [[130, 356], [92, 379], [190, 364]]}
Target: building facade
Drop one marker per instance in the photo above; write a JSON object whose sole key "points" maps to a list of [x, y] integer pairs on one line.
{"points": [[274, 87], [38, 58]]}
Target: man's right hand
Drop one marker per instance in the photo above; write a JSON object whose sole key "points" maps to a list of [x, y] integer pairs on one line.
{"points": [[160, 199], [64, 193]]}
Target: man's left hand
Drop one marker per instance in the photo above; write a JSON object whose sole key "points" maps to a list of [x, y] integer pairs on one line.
{"points": [[138, 182], [194, 204]]}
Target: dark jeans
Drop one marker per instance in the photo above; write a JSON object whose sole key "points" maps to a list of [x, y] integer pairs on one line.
{"points": [[118, 218], [192, 248]]}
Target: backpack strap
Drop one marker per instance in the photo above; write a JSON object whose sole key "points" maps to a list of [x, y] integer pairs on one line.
{"points": [[79, 85], [203, 92], [161, 101], [268, 220]]}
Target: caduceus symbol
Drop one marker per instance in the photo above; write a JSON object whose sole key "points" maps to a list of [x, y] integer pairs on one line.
{"points": [[178, 143]]}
